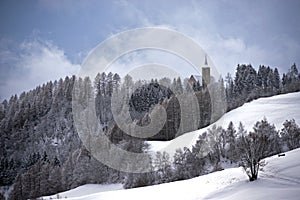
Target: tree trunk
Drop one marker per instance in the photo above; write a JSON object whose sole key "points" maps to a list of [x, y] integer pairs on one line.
{"points": [[253, 177]]}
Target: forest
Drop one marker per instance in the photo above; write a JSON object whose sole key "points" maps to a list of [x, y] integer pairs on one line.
{"points": [[41, 153]]}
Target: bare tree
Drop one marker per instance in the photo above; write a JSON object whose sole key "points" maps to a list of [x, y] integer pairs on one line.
{"points": [[253, 147]]}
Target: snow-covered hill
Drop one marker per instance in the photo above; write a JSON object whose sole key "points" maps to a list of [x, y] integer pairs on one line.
{"points": [[278, 179], [276, 109], [85, 190]]}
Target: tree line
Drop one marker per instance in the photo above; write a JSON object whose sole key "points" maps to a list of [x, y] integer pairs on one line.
{"points": [[218, 146], [249, 84], [40, 122]]}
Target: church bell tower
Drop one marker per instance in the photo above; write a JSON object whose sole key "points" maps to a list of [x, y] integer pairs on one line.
{"points": [[205, 73]]}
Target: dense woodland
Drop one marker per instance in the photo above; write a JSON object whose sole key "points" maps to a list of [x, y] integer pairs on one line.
{"points": [[41, 153]]}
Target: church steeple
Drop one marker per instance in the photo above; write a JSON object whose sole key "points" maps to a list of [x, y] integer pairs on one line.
{"points": [[205, 73]]}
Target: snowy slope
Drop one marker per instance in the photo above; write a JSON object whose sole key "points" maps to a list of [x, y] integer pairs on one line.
{"points": [[85, 190], [280, 179], [276, 109]]}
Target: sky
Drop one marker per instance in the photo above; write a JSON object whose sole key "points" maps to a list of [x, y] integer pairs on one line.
{"points": [[43, 40]]}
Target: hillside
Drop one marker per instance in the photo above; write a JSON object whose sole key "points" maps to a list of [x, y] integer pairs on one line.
{"points": [[279, 179], [276, 109], [40, 146]]}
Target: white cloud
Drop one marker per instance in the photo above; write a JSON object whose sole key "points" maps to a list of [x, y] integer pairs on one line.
{"points": [[224, 36], [37, 62], [194, 21], [226, 30]]}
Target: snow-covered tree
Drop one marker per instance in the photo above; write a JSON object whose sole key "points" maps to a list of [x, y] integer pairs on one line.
{"points": [[253, 148], [290, 134], [231, 142], [162, 167]]}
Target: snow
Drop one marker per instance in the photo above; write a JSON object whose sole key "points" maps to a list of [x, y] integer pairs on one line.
{"points": [[278, 179], [276, 109], [85, 190], [55, 141], [6, 190]]}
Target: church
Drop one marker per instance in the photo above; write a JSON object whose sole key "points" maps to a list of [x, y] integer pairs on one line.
{"points": [[204, 80]]}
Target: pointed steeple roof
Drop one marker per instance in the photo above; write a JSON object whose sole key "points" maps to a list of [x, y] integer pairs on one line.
{"points": [[205, 61]]}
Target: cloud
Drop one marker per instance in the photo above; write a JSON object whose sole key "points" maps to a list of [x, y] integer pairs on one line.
{"points": [[230, 32], [194, 20], [230, 37], [34, 62]]}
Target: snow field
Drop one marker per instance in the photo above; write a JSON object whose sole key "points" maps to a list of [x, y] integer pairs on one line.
{"points": [[276, 109]]}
